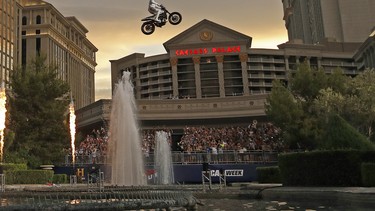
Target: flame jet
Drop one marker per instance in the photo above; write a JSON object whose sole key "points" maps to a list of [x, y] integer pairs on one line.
{"points": [[3, 110], [72, 124]]}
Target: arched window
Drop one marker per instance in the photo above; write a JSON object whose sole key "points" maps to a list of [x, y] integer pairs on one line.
{"points": [[38, 19], [24, 20]]}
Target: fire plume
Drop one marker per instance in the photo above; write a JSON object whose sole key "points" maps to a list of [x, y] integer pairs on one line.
{"points": [[3, 111], [72, 124]]}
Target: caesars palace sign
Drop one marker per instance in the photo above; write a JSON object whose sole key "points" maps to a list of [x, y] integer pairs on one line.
{"points": [[203, 51]]}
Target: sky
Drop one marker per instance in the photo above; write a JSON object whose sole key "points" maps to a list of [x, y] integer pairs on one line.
{"points": [[114, 26]]}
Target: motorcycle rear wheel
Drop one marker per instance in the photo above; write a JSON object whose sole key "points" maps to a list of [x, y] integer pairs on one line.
{"points": [[148, 28], [175, 18]]}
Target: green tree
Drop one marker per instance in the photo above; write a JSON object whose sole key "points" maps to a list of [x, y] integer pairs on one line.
{"points": [[362, 89], [287, 111], [338, 81], [352, 99], [341, 135], [329, 102], [282, 106], [38, 111], [305, 83], [291, 106], [319, 96]]}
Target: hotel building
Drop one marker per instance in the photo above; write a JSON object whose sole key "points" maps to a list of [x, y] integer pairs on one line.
{"points": [[10, 16], [63, 41], [211, 76]]}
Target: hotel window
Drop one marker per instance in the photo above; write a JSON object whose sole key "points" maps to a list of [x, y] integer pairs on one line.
{"points": [[24, 20], [38, 45], [38, 19], [37, 31], [23, 52]]}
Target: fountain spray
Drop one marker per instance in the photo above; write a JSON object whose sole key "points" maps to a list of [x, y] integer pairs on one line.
{"points": [[124, 141], [163, 159], [3, 111], [72, 124]]}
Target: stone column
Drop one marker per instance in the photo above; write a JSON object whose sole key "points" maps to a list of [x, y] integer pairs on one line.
{"points": [[245, 75], [286, 60], [45, 19], [319, 62], [220, 68], [173, 61], [307, 59], [198, 86], [137, 81], [287, 68], [31, 19]]}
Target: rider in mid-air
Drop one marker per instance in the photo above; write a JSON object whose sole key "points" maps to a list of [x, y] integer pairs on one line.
{"points": [[155, 9], [160, 16]]}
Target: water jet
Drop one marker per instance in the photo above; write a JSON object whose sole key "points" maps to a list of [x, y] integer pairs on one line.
{"points": [[163, 159], [126, 160]]}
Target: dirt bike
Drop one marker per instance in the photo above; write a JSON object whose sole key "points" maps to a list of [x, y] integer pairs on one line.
{"points": [[148, 27]]}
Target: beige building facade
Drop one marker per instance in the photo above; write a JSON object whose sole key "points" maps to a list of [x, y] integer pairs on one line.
{"points": [[10, 15], [63, 41], [32, 27], [316, 21]]}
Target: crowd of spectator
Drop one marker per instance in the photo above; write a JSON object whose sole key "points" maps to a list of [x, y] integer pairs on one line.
{"points": [[94, 146], [149, 139], [256, 136]]}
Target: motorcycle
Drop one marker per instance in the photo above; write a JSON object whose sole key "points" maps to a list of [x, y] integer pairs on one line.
{"points": [[148, 27]]}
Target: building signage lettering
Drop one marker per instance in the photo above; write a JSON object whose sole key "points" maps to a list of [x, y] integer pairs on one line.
{"points": [[228, 173], [203, 51]]}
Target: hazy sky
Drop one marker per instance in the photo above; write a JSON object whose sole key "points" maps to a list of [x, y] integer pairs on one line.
{"points": [[114, 26]]}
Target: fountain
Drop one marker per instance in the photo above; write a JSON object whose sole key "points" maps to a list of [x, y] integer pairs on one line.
{"points": [[163, 159], [128, 190], [127, 166]]}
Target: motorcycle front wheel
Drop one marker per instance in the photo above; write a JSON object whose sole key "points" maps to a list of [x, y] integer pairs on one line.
{"points": [[148, 28], [175, 18]]}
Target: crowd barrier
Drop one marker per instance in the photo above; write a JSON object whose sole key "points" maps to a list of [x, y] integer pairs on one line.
{"points": [[227, 157]]}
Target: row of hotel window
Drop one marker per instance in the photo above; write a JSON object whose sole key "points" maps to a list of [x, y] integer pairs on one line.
{"points": [[38, 20]]}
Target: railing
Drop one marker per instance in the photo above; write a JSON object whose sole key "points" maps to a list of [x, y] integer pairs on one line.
{"points": [[339, 63], [266, 60], [159, 89], [207, 178], [148, 83], [227, 157], [112, 198], [154, 66]]}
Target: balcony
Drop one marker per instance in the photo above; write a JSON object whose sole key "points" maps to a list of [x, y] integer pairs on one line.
{"points": [[339, 64], [266, 60], [152, 67], [161, 81], [161, 73], [159, 89]]}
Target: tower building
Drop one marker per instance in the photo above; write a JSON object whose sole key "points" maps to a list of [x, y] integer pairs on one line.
{"points": [[316, 21], [10, 15], [63, 41]]}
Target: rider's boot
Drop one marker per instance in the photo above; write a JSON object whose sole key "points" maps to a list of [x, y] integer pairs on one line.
{"points": [[157, 17]]}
